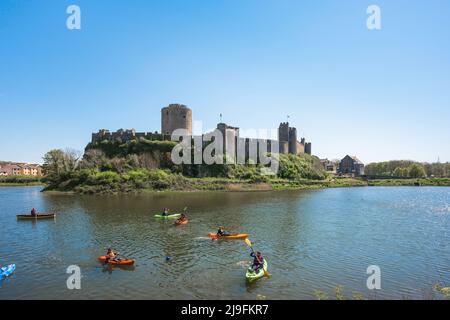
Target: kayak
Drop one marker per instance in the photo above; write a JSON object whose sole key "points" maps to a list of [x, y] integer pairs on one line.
{"points": [[170, 216], [6, 271], [251, 275], [37, 216], [120, 262], [236, 236], [179, 223]]}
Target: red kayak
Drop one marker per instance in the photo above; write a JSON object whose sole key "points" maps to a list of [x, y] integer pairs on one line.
{"points": [[181, 222], [119, 262]]}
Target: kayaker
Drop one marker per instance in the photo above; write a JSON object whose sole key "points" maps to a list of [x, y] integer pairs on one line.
{"points": [[258, 261], [165, 212], [221, 232], [181, 219], [111, 255], [33, 211]]}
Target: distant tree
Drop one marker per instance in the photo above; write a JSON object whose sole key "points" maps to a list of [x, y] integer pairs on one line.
{"points": [[417, 171], [58, 163], [398, 172]]}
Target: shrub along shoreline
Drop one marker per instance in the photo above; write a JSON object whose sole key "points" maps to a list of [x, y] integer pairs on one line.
{"points": [[142, 180], [10, 181], [144, 167]]}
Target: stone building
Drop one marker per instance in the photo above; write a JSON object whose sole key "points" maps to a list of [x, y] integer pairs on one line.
{"points": [[19, 169], [230, 140], [329, 165], [351, 166], [176, 116], [288, 141]]}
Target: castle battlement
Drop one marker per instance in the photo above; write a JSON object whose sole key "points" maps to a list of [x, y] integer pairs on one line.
{"points": [[126, 136], [179, 116]]}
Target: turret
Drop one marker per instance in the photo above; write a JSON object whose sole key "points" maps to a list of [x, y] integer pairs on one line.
{"points": [[176, 116]]}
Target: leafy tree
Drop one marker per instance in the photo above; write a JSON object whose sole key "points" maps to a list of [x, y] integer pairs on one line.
{"points": [[58, 164], [417, 171]]}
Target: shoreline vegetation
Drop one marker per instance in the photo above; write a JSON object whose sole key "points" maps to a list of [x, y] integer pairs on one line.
{"points": [[232, 185], [145, 166], [12, 181]]}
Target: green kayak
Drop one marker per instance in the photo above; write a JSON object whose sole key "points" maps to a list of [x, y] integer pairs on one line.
{"points": [[170, 216], [252, 275]]}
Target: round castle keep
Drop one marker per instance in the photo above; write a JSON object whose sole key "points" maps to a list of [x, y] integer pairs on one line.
{"points": [[176, 116]]}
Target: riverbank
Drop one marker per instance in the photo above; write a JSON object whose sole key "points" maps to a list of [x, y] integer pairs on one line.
{"points": [[18, 181], [179, 183]]}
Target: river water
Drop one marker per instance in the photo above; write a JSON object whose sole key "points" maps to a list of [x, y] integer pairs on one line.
{"points": [[313, 241]]}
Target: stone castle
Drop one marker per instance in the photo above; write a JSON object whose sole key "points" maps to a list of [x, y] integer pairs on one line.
{"points": [[178, 116]]}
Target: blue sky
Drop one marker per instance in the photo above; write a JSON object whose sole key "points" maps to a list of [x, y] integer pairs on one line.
{"points": [[379, 95]]}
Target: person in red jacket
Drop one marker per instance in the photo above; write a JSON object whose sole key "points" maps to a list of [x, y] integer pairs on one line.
{"points": [[33, 212]]}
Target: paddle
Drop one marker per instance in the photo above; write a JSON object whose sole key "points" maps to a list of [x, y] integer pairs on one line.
{"points": [[249, 243]]}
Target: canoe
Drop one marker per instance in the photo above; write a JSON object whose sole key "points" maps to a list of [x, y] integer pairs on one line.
{"points": [[179, 223], [170, 216], [251, 275], [121, 262], [37, 216], [6, 271], [236, 236]]}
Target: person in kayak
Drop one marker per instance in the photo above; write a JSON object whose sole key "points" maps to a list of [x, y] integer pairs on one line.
{"points": [[111, 255], [221, 232], [181, 219], [165, 212], [33, 212], [258, 261]]}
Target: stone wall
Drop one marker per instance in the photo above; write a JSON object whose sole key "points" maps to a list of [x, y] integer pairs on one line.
{"points": [[177, 116]]}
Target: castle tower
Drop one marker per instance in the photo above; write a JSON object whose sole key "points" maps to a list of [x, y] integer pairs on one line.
{"points": [[308, 148], [283, 132], [292, 141], [176, 116], [230, 139], [283, 137]]}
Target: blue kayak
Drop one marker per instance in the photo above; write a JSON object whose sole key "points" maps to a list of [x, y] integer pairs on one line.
{"points": [[6, 271]]}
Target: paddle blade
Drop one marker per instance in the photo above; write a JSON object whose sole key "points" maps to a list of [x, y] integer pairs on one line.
{"points": [[248, 242]]}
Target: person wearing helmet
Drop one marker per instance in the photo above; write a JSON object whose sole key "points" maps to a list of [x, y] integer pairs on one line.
{"points": [[221, 232]]}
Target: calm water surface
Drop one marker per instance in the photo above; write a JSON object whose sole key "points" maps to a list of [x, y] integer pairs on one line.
{"points": [[313, 240]]}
